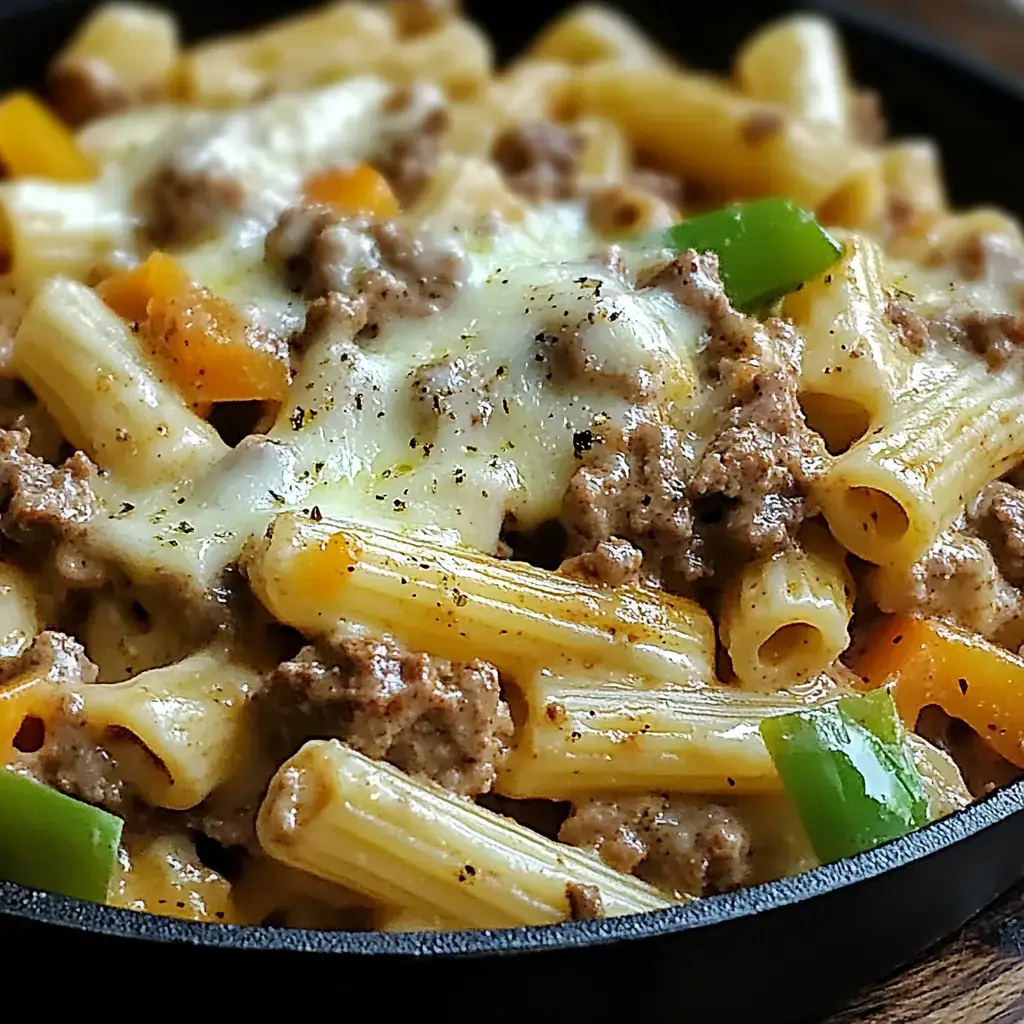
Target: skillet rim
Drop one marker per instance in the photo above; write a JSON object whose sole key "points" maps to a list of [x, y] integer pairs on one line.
{"points": [[43, 908]]}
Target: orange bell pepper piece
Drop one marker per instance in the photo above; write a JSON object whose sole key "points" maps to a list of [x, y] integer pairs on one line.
{"points": [[932, 662], [204, 345], [34, 143], [353, 190]]}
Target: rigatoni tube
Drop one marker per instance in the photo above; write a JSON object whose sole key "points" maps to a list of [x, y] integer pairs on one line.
{"points": [[798, 62], [122, 53], [957, 427], [458, 603], [713, 135], [851, 365], [50, 227], [583, 734], [177, 732], [86, 367], [785, 619], [362, 823]]}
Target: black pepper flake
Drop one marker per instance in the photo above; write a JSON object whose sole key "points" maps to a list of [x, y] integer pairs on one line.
{"points": [[298, 418], [185, 527], [315, 514], [504, 405], [459, 598], [963, 685], [399, 505], [612, 317], [359, 400], [582, 441], [412, 442], [277, 497], [898, 638], [731, 781], [126, 507]]}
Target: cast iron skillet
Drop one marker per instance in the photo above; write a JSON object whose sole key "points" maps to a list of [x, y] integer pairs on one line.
{"points": [[780, 952]]}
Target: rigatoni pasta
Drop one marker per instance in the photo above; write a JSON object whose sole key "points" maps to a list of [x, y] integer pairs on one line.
{"points": [[429, 483], [329, 810]]}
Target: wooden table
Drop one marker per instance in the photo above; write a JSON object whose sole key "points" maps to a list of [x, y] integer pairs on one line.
{"points": [[978, 976], [991, 30]]}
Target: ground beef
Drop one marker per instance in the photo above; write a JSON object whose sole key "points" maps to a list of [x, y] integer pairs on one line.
{"points": [[572, 360], [47, 508], [82, 89], [996, 336], [539, 160], [55, 656], [757, 470], [331, 312], [585, 902], [613, 562], [633, 487], [997, 516], [762, 125], [64, 753], [911, 329], [409, 160], [383, 271], [750, 485], [414, 278], [956, 579], [181, 203], [678, 844], [429, 717]]}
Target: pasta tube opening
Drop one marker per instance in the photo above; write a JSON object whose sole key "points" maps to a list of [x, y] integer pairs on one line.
{"points": [[842, 422], [786, 618], [794, 640], [955, 428]]}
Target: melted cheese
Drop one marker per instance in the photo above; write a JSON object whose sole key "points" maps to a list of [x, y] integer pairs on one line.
{"points": [[450, 422]]}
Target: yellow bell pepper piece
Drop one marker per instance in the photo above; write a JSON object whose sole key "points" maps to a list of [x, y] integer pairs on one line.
{"points": [[34, 143], [932, 662]]}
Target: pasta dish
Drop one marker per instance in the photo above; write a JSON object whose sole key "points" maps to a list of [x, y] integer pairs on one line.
{"points": [[443, 495]]}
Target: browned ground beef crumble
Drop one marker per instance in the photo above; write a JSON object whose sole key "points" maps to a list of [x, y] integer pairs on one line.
{"points": [[677, 843], [747, 493], [380, 272], [430, 717]]}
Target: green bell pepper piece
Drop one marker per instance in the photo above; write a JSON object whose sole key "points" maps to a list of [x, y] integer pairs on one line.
{"points": [[53, 842], [847, 770], [765, 248]]}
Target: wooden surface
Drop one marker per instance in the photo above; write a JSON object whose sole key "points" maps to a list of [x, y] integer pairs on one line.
{"points": [[975, 978], [991, 30], [978, 976]]}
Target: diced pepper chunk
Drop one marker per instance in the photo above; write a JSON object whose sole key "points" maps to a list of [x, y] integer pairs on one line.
{"points": [[34, 143], [353, 190], [209, 351], [52, 842], [765, 248], [846, 767], [931, 662]]}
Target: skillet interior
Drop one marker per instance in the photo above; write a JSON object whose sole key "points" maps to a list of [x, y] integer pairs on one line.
{"points": [[798, 945]]}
